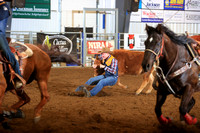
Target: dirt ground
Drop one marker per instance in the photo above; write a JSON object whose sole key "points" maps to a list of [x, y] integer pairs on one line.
{"points": [[112, 110]]}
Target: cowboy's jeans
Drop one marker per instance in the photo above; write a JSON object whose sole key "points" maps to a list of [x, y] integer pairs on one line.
{"points": [[100, 82], [3, 24], [8, 54]]}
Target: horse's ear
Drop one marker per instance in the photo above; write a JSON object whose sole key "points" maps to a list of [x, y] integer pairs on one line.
{"points": [[159, 28], [147, 28]]}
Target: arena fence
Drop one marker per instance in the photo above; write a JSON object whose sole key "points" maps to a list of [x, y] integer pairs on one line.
{"points": [[93, 43]]}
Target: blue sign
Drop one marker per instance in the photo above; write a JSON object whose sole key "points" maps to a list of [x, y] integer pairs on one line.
{"points": [[152, 20], [174, 4]]}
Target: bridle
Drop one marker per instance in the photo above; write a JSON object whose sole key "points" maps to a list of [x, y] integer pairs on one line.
{"points": [[160, 52], [159, 71]]}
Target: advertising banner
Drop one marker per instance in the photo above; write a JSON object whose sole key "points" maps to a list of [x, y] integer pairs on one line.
{"points": [[154, 16], [57, 44], [39, 9], [152, 4], [192, 5], [95, 46], [192, 17], [174, 4], [136, 16], [136, 39], [174, 16]]}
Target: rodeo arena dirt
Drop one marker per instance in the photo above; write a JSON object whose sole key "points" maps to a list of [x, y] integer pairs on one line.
{"points": [[154, 50], [113, 110]]}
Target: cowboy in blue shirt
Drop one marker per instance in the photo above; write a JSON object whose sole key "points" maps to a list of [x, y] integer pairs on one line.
{"points": [[110, 65], [4, 47]]}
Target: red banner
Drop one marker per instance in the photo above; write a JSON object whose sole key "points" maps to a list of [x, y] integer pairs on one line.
{"points": [[95, 46]]}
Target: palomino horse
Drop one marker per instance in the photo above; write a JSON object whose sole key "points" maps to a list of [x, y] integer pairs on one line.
{"points": [[37, 67], [177, 70], [129, 62]]}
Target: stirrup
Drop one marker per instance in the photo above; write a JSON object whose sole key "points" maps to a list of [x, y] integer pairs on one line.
{"points": [[19, 82]]}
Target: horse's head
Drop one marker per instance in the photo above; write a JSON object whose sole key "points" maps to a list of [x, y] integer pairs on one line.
{"points": [[153, 46], [97, 70]]}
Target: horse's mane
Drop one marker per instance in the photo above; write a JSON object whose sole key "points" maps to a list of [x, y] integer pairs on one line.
{"points": [[178, 39]]}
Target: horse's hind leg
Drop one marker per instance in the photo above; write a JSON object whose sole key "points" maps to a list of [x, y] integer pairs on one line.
{"points": [[44, 99]]}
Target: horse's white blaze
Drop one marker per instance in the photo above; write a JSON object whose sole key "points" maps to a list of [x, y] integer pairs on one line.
{"points": [[151, 39]]}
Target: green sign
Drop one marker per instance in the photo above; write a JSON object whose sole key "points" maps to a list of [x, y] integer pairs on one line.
{"points": [[38, 9]]}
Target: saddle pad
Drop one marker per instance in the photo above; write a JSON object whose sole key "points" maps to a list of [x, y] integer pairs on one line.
{"points": [[24, 50]]}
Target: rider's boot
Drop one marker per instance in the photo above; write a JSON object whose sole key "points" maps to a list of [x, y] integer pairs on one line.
{"points": [[19, 82]]}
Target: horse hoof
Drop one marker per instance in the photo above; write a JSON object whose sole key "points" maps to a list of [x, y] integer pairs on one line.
{"points": [[36, 119], [18, 114]]}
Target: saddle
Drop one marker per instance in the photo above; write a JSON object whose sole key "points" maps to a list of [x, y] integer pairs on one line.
{"points": [[21, 52], [194, 50]]}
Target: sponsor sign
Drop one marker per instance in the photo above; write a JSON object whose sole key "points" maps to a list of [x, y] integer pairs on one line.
{"points": [[138, 41], [192, 17], [192, 5], [95, 46], [33, 9], [174, 16], [174, 4], [154, 16], [136, 16], [62, 43], [152, 4]]}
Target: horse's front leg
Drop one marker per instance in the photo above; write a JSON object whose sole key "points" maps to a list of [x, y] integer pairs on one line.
{"points": [[23, 99], [159, 102], [190, 106], [186, 98]]}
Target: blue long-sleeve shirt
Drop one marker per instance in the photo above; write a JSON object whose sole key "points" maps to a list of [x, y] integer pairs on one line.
{"points": [[4, 10]]}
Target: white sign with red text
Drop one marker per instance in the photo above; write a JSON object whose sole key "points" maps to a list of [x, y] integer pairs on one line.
{"points": [[95, 46]]}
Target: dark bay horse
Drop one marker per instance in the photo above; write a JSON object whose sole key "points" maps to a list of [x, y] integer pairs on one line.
{"points": [[177, 69], [37, 67]]}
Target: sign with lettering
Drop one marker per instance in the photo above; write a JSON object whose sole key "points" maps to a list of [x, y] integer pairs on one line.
{"points": [[174, 16], [192, 17], [174, 4], [138, 41], [39, 9], [152, 4], [95, 46], [152, 16], [192, 5]]}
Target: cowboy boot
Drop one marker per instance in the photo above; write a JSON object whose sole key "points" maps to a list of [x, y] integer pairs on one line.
{"points": [[19, 82]]}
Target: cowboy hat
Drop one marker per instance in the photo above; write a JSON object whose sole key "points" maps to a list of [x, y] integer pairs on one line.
{"points": [[105, 50]]}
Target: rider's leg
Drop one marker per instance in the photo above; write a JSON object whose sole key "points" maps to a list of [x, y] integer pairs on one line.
{"points": [[10, 56]]}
